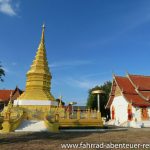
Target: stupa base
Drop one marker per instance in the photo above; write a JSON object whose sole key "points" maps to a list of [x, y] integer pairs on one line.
{"points": [[36, 109]]}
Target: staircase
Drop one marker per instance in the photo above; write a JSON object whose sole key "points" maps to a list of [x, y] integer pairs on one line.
{"points": [[133, 124], [31, 126], [144, 123]]}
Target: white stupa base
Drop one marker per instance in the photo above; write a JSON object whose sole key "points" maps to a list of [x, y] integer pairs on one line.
{"points": [[35, 102], [32, 126]]}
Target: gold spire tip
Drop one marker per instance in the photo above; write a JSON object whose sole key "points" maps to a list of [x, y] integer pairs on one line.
{"points": [[43, 30], [43, 26]]}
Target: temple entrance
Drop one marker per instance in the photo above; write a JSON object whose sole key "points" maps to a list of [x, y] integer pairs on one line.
{"points": [[144, 114], [113, 113], [130, 112]]}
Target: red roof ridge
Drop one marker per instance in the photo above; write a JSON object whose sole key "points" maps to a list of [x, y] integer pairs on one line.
{"points": [[128, 76], [125, 78], [117, 83]]}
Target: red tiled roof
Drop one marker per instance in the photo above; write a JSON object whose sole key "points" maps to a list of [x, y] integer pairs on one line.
{"points": [[136, 100], [128, 86], [146, 94], [125, 85], [5, 94], [142, 83]]}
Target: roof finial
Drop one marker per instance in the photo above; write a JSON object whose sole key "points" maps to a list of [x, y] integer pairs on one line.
{"points": [[43, 26], [43, 30], [127, 73]]}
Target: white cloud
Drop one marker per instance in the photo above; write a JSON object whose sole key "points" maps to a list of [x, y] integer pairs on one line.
{"points": [[84, 84], [70, 63], [7, 8]]}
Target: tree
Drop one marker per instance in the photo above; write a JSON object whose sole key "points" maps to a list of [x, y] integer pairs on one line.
{"points": [[2, 73], [92, 99]]}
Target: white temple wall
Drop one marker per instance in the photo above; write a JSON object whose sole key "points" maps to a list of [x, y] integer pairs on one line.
{"points": [[148, 108], [121, 109], [136, 113]]}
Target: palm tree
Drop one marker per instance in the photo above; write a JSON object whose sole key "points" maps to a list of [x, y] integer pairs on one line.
{"points": [[2, 73]]}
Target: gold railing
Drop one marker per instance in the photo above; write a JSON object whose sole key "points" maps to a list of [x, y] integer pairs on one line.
{"points": [[88, 118], [88, 114]]}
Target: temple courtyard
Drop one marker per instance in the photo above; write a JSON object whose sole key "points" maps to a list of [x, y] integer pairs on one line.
{"points": [[52, 141]]}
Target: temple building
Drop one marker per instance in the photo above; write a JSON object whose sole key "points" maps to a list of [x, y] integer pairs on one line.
{"points": [[7, 95], [129, 101]]}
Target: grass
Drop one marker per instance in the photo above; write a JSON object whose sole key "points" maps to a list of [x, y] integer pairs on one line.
{"points": [[53, 141]]}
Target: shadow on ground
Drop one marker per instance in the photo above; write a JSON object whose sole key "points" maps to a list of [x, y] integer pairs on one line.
{"points": [[33, 136], [25, 137]]}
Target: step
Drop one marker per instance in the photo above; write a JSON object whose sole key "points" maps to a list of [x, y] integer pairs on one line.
{"points": [[31, 126]]}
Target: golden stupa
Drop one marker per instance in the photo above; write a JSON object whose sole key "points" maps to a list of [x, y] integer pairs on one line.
{"points": [[38, 77], [37, 95]]}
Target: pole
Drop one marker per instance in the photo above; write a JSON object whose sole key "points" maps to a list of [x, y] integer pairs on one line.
{"points": [[98, 102], [72, 109]]}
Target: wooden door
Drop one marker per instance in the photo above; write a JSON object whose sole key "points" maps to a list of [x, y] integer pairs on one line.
{"points": [[130, 112], [144, 114], [113, 113]]}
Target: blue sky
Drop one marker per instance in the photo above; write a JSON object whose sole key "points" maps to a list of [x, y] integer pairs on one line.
{"points": [[86, 40]]}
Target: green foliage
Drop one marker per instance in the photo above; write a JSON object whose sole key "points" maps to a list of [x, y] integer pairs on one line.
{"points": [[92, 99], [2, 73]]}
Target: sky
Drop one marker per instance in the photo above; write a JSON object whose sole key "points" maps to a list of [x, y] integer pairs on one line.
{"points": [[86, 42]]}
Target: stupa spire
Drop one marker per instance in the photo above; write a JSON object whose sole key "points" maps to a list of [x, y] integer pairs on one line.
{"points": [[43, 33], [42, 41], [38, 82]]}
